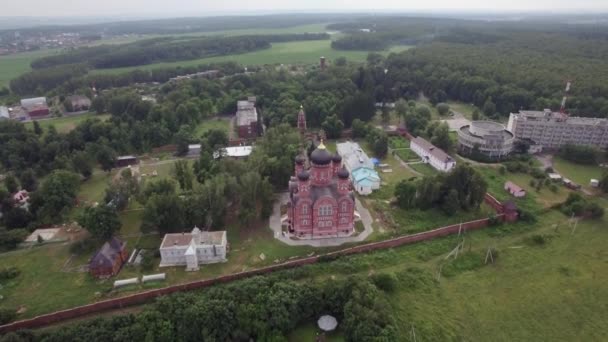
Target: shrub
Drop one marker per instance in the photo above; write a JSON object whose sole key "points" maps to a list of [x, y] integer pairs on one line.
{"points": [[9, 273], [386, 282], [502, 170], [414, 278], [494, 221], [147, 261], [7, 315], [537, 239], [553, 188], [526, 216]]}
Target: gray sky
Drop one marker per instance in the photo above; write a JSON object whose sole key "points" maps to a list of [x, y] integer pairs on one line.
{"points": [[93, 8]]}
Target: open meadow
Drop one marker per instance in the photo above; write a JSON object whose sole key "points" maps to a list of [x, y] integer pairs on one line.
{"points": [[12, 66], [303, 52], [66, 123]]}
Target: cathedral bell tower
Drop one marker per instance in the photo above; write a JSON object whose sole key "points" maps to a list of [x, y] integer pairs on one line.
{"points": [[302, 121]]}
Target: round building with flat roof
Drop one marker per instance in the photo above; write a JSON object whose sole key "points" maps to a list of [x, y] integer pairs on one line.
{"points": [[488, 138]]}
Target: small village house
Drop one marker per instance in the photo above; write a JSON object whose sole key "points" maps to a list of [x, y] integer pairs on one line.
{"points": [[124, 161], [193, 249], [35, 107], [514, 189], [108, 261], [77, 103]]}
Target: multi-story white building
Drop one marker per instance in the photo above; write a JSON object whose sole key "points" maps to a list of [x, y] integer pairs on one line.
{"points": [[432, 155], [553, 130], [488, 138], [193, 249]]}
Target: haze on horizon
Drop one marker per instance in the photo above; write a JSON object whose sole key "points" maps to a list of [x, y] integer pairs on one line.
{"points": [[162, 8]]}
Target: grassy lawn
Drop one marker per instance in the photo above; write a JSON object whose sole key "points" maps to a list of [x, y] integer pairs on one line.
{"points": [[463, 108], [303, 52], [533, 292], [93, 189], [580, 174], [309, 332], [215, 123], [12, 66], [66, 123], [424, 168], [534, 200]]}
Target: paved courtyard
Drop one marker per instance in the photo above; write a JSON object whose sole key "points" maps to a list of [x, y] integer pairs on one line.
{"points": [[275, 225]]}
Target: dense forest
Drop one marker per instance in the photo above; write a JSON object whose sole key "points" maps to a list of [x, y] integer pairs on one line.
{"points": [[257, 309]]}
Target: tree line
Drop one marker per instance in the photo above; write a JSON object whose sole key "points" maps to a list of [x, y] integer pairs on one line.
{"points": [[260, 308], [167, 50]]}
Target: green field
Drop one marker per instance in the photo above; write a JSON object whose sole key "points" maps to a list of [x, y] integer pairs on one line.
{"points": [[66, 123], [215, 123], [304, 52], [124, 39], [12, 66], [578, 173]]}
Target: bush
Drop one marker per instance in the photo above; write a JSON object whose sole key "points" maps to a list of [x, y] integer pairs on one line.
{"points": [[7, 315], [537, 239], [494, 221], [416, 278], [9, 273], [147, 261], [526, 216], [386, 282], [553, 188], [83, 246], [579, 154]]}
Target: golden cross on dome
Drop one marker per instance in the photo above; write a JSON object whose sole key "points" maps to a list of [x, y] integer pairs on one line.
{"points": [[321, 145]]}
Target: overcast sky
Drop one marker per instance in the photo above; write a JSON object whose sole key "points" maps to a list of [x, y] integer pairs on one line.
{"points": [[94, 8]]}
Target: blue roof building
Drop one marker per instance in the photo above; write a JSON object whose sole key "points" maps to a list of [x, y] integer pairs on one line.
{"points": [[365, 180]]}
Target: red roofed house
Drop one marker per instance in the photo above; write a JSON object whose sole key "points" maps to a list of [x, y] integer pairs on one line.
{"points": [[514, 189], [109, 259]]}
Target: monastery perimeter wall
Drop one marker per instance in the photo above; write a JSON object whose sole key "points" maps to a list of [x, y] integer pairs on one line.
{"points": [[147, 296]]}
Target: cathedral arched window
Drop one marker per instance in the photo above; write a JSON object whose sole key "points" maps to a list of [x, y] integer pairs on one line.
{"points": [[344, 207], [325, 210]]}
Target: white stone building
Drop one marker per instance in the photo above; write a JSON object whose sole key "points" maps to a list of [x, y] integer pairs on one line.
{"points": [[553, 130], [432, 155], [193, 249], [362, 174]]}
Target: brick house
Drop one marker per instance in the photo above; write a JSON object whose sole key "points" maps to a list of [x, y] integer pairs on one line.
{"points": [[109, 259]]}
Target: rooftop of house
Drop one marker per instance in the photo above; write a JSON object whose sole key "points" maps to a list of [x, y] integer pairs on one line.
{"points": [[35, 101], [431, 149], [550, 115], [246, 113], [363, 173], [108, 253], [235, 151], [513, 187], [197, 236], [353, 155]]}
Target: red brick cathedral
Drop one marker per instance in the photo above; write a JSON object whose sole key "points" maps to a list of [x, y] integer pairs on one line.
{"points": [[322, 203]]}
